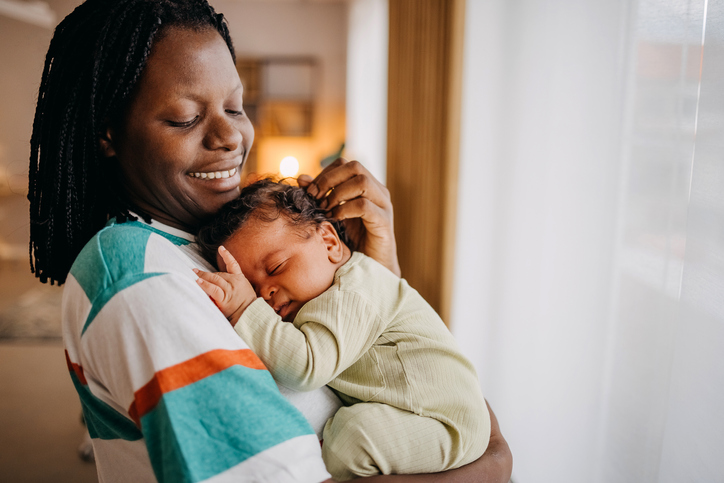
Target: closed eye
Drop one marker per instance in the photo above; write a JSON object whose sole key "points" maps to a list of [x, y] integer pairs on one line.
{"points": [[276, 269], [184, 123]]}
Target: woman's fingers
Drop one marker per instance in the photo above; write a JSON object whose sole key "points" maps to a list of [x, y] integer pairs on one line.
{"points": [[373, 215], [304, 180], [348, 180], [374, 236], [361, 186], [353, 194], [232, 266], [321, 184]]}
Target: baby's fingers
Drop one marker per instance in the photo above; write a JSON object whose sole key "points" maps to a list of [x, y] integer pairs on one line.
{"points": [[211, 284], [232, 266]]}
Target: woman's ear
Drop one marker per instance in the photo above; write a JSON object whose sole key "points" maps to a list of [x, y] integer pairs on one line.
{"points": [[105, 142], [335, 247]]}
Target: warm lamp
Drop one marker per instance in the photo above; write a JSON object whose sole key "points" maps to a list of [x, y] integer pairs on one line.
{"points": [[289, 167]]}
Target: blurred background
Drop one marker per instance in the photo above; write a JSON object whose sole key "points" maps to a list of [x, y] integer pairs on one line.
{"points": [[557, 172]]}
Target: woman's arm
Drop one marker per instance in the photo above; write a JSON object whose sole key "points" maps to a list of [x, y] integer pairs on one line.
{"points": [[354, 195], [495, 466]]}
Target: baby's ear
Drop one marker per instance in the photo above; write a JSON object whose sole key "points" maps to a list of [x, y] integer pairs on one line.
{"points": [[335, 250]]}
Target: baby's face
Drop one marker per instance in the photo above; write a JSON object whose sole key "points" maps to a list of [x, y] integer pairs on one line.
{"points": [[287, 265]]}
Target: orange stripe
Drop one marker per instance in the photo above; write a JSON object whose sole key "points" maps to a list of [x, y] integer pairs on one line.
{"points": [[73, 367], [186, 373]]}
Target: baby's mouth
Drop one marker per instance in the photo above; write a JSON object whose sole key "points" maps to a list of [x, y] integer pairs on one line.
{"points": [[214, 174], [281, 308]]}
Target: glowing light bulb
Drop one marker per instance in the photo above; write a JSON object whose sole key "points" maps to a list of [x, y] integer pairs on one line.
{"points": [[289, 166]]}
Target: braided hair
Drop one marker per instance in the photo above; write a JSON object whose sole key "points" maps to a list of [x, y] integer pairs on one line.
{"points": [[265, 200], [94, 61]]}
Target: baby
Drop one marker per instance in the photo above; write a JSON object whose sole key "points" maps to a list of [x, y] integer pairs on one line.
{"points": [[317, 313]]}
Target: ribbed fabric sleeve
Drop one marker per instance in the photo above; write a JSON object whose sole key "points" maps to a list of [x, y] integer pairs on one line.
{"points": [[373, 338], [319, 345]]}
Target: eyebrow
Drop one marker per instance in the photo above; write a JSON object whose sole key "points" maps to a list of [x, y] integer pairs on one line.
{"points": [[193, 97], [265, 260]]}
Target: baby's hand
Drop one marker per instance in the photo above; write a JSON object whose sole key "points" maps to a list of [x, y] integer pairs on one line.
{"points": [[229, 290]]}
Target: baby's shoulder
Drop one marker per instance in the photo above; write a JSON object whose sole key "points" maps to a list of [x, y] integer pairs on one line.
{"points": [[361, 271], [367, 281]]}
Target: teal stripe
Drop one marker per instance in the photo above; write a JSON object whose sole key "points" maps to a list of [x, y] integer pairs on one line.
{"points": [[103, 421], [114, 260], [104, 297], [176, 240], [255, 418], [113, 253]]}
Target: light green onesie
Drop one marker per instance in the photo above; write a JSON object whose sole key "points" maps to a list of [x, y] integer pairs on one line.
{"points": [[413, 401]]}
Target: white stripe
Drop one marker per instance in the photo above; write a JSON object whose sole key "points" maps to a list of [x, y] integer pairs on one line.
{"points": [[75, 309], [317, 406], [298, 460], [163, 256], [120, 461], [152, 325]]}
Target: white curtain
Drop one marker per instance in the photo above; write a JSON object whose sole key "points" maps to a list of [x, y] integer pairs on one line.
{"points": [[589, 273]]}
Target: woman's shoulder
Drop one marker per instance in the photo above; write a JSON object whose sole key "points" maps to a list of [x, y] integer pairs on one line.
{"points": [[123, 250]]}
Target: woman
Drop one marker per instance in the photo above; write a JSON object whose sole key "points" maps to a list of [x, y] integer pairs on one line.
{"points": [[140, 117]]}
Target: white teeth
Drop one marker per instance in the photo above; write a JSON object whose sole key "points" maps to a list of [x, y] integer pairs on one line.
{"points": [[215, 174]]}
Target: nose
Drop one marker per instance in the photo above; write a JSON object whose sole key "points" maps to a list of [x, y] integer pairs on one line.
{"points": [[223, 134], [267, 291]]}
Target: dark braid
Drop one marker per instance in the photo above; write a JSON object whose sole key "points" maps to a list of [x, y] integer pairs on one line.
{"points": [[94, 62], [265, 200]]}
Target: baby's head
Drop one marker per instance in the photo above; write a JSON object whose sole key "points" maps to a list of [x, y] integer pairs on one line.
{"points": [[285, 244]]}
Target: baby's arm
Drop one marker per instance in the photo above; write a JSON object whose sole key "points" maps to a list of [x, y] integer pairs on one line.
{"points": [[329, 334], [229, 290]]}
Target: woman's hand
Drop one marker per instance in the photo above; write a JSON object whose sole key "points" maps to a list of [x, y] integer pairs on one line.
{"points": [[352, 194]]}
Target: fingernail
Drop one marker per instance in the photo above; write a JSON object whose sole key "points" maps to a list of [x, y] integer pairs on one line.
{"points": [[222, 248], [199, 281], [312, 190], [196, 270]]}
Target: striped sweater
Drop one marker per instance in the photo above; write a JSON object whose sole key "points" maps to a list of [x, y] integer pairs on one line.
{"points": [[169, 393]]}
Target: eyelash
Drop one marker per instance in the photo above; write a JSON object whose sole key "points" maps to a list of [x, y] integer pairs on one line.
{"points": [[274, 270], [186, 124]]}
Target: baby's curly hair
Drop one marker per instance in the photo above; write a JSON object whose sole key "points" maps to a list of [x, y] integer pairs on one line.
{"points": [[265, 200]]}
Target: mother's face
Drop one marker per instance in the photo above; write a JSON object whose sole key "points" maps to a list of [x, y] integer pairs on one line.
{"points": [[185, 134]]}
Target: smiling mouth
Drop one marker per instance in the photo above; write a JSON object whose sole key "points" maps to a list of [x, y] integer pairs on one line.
{"points": [[215, 174]]}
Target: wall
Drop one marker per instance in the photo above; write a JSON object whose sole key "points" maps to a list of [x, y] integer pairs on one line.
{"points": [[22, 55], [317, 29], [367, 44]]}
